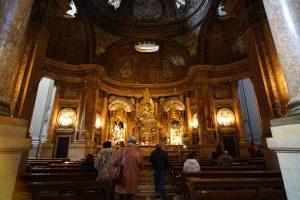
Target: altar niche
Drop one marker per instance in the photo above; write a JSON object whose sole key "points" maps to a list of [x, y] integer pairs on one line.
{"points": [[175, 133], [118, 132]]}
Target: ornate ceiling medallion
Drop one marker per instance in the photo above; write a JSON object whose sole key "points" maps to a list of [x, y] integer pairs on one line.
{"points": [[148, 47]]}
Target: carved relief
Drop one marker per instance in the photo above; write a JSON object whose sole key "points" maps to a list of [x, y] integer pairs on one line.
{"points": [[173, 103], [148, 125], [126, 70], [115, 103]]}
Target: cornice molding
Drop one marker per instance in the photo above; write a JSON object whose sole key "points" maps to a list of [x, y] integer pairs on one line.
{"points": [[76, 75]]}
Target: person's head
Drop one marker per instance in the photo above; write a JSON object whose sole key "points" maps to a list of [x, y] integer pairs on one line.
{"points": [[191, 155], [158, 146], [252, 144], [225, 152], [122, 144], [89, 158], [107, 144], [131, 140]]}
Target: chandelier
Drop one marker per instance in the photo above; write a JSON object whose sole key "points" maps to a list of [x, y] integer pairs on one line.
{"points": [[146, 47]]}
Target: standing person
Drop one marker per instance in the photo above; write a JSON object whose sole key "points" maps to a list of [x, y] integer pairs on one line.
{"points": [[132, 163], [104, 161], [191, 164], [252, 150], [160, 164]]}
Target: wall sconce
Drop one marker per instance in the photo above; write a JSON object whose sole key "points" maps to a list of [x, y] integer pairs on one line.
{"points": [[195, 120], [225, 117], [98, 121], [66, 117]]}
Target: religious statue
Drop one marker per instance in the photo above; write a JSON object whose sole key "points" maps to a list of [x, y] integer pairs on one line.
{"points": [[145, 119], [118, 132]]}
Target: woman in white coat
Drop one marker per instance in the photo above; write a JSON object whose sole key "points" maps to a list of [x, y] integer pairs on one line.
{"points": [[191, 164]]}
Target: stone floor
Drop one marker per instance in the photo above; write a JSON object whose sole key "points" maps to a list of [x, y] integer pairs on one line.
{"points": [[146, 188]]}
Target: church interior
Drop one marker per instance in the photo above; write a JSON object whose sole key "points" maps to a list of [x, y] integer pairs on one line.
{"points": [[187, 74]]}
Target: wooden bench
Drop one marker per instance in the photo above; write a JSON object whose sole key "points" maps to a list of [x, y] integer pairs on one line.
{"points": [[247, 188], [66, 165], [67, 190], [54, 170], [69, 176], [175, 171]]}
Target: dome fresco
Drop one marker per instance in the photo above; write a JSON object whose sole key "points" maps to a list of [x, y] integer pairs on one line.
{"points": [[124, 63], [148, 17]]}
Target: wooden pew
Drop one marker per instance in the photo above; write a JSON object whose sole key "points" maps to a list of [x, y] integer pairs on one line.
{"points": [[69, 176], [226, 188], [175, 171], [182, 178], [67, 190], [54, 170], [65, 165]]}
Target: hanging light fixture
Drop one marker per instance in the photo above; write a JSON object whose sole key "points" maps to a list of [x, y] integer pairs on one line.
{"points": [[146, 47]]}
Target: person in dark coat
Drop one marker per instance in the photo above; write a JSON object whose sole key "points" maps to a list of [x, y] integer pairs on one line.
{"points": [[88, 164], [225, 159], [160, 164]]}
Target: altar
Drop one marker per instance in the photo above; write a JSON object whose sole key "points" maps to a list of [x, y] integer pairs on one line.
{"points": [[149, 120]]}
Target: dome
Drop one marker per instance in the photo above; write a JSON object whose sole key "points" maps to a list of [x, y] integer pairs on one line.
{"points": [[170, 63], [147, 17]]}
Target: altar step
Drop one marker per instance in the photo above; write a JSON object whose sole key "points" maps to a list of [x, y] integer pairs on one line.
{"points": [[146, 187]]}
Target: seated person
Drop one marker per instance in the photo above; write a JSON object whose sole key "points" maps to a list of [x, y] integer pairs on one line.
{"points": [[191, 165], [88, 164], [225, 159], [213, 158]]}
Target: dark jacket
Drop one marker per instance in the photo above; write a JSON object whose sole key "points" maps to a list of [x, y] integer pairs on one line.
{"points": [[159, 159]]}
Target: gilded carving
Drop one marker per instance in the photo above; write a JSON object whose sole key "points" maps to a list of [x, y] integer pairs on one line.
{"points": [[115, 103], [148, 125]]}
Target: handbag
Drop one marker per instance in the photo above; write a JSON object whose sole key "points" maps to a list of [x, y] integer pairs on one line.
{"points": [[117, 171]]}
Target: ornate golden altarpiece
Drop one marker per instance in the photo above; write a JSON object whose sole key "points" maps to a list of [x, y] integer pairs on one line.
{"points": [[149, 123]]}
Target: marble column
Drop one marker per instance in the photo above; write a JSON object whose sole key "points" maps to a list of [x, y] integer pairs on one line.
{"points": [[283, 17], [189, 116], [34, 74], [200, 75], [13, 23], [137, 111], [238, 112], [157, 139], [259, 82], [243, 143], [104, 117]]}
